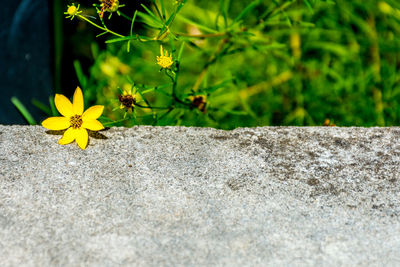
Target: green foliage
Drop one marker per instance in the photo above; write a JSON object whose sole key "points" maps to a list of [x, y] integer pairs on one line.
{"points": [[251, 63], [23, 110]]}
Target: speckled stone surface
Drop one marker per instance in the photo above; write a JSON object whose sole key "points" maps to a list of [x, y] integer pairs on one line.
{"points": [[174, 196]]}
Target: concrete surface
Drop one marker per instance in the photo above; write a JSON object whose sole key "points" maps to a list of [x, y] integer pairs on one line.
{"points": [[173, 196]]}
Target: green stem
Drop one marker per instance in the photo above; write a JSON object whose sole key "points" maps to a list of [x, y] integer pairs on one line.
{"points": [[97, 26], [221, 34], [125, 16], [158, 12], [150, 107], [114, 122]]}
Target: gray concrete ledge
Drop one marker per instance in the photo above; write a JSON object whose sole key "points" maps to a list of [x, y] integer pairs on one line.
{"points": [[174, 196]]}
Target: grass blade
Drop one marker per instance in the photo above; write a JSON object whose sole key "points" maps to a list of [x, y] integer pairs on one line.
{"points": [[162, 8], [152, 15], [42, 107], [79, 73], [180, 52], [22, 109], [247, 9], [200, 26], [54, 111], [131, 30]]}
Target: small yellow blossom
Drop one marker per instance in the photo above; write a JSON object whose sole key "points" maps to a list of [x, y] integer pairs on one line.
{"points": [[164, 60], [74, 119], [72, 11], [127, 100], [109, 6]]}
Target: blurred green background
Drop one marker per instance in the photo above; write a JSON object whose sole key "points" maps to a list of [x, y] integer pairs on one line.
{"points": [[269, 62]]}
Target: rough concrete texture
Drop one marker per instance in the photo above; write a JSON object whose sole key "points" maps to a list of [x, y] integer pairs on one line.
{"points": [[174, 196]]}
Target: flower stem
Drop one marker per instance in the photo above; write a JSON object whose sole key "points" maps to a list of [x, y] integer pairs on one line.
{"points": [[211, 35], [114, 122], [97, 26], [125, 16]]}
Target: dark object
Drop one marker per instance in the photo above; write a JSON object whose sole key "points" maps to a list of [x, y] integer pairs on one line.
{"points": [[25, 63]]}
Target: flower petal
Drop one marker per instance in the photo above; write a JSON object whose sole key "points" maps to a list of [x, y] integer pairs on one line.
{"points": [[56, 123], [93, 113], [64, 106], [68, 137], [93, 125], [81, 137], [77, 101]]}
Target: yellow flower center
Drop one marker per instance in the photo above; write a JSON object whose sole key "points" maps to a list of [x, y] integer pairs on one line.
{"points": [[76, 121], [72, 10], [164, 61]]}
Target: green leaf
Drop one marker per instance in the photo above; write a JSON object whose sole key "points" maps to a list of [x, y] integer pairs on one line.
{"points": [[101, 34], [42, 107], [153, 16], [157, 89], [149, 21], [22, 109], [79, 73], [308, 4], [337, 49], [131, 30], [218, 86], [122, 39], [162, 8], [224, 6], [235, 112], [200, 26], [247, 9], [54, 111], [181, 51], [173, 48]]}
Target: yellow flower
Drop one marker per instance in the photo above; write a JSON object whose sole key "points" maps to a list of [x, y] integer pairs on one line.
{"points": [[164, 61], [74, 119], [127, 99], [72, 11], [108, 5]]}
